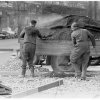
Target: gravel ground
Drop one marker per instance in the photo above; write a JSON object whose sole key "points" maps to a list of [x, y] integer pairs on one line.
{"points": [[72, 88]]}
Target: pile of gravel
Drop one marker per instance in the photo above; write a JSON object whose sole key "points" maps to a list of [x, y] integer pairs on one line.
{"points": [[13, 64], [71, 88], [19, 85]]}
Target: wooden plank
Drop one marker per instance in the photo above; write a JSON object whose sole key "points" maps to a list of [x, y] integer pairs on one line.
{"points": [[36, 90], [51, 85], [23, 94], [6, 92], [2, 90], [6, 89]]}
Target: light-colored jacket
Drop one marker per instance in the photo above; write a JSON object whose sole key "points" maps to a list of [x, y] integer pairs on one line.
{"points": [[80, 36]]}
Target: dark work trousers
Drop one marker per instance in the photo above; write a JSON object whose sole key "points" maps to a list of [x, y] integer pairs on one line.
{"points": [[80, 57], [28, 52]]}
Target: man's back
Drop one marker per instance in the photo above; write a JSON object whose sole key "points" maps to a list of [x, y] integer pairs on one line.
{"points": [[82, 35], [30, 34], [81, 52]]}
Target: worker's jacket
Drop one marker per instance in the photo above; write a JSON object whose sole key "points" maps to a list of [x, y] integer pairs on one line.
{"points": [[30, 34], [80, 37]]}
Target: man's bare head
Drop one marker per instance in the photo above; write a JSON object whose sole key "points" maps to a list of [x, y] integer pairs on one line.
{"points": [[33, 22], [74, 26]]}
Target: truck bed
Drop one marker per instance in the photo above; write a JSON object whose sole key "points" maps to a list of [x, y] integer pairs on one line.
{"points": [[61, 47]]}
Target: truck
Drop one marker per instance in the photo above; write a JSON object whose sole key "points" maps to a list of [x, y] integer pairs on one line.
{"points": [[57, 48]]}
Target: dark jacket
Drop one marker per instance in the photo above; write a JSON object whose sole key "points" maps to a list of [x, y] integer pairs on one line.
{"points": [[30, 34]]}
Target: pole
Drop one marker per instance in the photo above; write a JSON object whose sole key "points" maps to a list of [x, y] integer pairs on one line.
{"points": [[90, 9], [18, 23], [95, 10]]}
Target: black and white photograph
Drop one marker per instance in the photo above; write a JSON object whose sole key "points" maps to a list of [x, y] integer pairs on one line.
{"points": [[50, 49]]}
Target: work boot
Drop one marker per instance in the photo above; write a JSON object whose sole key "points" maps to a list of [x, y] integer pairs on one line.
{"points": [[32, 71], [83, 78], [77, 75], [23, 73]]}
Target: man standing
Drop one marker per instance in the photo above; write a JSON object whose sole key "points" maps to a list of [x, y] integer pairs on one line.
{"points": [[81, 51], [30, 34]]}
